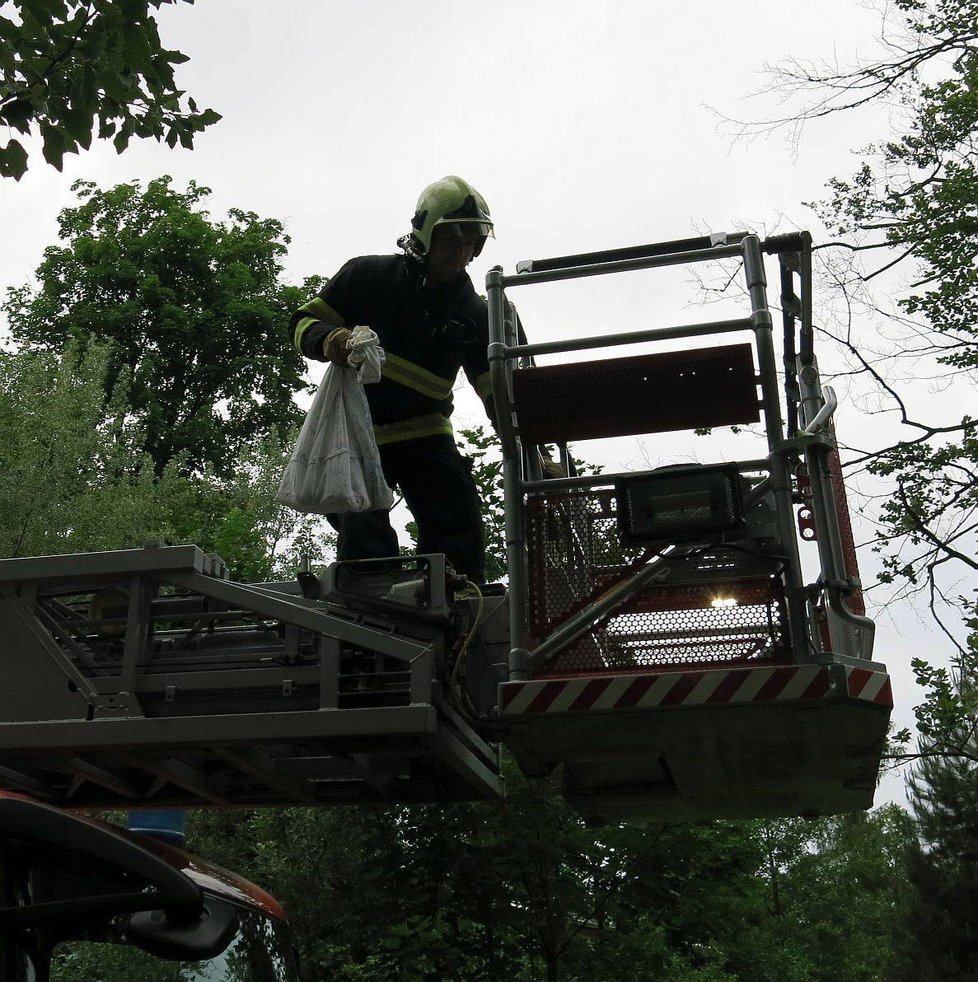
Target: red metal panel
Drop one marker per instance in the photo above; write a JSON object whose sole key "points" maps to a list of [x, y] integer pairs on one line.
{"points": [[855, 600], [657, 393]]}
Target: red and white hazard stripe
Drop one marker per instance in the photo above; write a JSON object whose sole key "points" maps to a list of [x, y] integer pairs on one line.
{"points": [[703, 688], [872, 686]]}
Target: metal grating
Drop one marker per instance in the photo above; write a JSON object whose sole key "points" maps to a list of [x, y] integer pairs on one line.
{"points": [[575, 556]]}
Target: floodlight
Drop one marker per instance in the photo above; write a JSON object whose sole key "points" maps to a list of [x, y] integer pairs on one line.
{"points": [[680, 504]]}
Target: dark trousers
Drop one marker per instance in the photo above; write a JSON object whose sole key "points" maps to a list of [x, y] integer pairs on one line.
{"points": [[436, 481]]}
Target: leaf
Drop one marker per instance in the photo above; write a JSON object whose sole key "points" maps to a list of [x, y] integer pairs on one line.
{"points": [[91, 61], [209, 117], [13, 160], [9, 31], [77, 124], [18, 114], [136, 50], [56, 144], [54, 9]]}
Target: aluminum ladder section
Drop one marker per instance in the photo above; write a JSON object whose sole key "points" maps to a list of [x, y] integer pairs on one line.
{"points": [[146, 677], [685, 672]]}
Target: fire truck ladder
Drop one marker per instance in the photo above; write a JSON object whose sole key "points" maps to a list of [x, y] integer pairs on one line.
{"points": [[658, 640], [666, 649], [146, 677]]}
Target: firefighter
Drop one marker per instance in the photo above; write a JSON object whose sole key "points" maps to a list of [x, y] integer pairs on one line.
{"points": [[430, 322]]}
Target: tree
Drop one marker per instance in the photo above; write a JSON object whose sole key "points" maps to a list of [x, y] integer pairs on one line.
{"points": [[89, 961], [74, 478], [71, 476], [513, 889], [195, 309], [910, 211], [69, 66], [523, 889], [832, 879], [936, 932]]}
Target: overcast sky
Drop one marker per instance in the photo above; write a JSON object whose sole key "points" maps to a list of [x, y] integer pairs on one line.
{"points": [[586, 125]]}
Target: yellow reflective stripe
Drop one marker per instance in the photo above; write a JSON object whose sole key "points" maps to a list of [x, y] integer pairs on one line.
{"points": [[483, 385], [431, 424], [301, 329], [401, 370], [318, 308]]}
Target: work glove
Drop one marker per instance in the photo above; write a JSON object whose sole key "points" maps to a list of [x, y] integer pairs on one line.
{"points": [[336, 347]]}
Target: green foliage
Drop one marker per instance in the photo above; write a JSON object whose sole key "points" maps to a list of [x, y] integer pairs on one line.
{"points": [[71, 70], [91, 962], [914, 196], [935, 497], [913, 201], [71, 470], [832, 879], [194, 308], [523, 890], [946, 717], [936, 932], [237, 516], [74, 478]]}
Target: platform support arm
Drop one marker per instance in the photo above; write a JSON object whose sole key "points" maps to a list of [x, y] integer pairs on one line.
{"points": [[801, 640], [579, 624], [851, 634], [500, 368]]}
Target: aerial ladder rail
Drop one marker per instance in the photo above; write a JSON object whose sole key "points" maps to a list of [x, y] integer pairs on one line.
{"points": [[147, 677]]}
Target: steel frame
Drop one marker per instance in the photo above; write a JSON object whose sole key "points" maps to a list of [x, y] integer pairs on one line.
{"points": [[207, 691], [851, 633], [147, 677]]}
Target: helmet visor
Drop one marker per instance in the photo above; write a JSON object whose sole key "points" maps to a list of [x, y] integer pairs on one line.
{"points": [[468, 230]]}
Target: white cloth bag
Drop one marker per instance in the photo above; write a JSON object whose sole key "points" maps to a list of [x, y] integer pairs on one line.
{"points": [[335, 466]]}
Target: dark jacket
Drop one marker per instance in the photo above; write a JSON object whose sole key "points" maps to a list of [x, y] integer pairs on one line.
{"points": [[427, 333]]}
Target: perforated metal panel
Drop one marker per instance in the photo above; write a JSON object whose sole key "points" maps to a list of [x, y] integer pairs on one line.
{"points": [[656, 393], [575, 556]]}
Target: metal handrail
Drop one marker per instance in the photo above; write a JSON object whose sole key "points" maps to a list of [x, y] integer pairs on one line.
{"points": [[502, 352]]}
